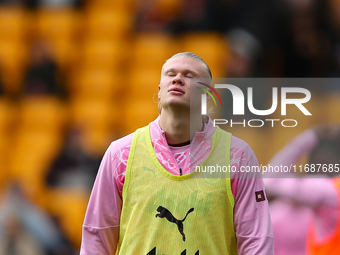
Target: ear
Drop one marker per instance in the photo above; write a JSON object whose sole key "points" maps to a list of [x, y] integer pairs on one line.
{"points": [[159, 91]]}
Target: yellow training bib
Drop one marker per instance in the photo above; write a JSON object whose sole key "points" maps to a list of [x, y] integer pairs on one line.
{"points": [[176, 215]]}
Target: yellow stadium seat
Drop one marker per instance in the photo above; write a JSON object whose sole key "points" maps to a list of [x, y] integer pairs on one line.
{"points": [[138, 113], [13, 24], [95, 84], [6, 114], [42, 113], [95, 119], [144, 83], [108, 24], [152, 49], [91, 113], [7, 119], [13, 60], [98, 140], [117, 5], [65, 53], [212, 47], [168, 7], [57, 24], [69, 206], [30, 158], [4, 154], [106, 54]]}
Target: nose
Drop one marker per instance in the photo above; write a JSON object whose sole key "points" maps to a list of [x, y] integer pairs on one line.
{"points": [[178, 79]]}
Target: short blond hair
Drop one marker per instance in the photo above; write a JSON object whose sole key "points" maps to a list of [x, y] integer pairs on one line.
{"points": [[193, 56]]}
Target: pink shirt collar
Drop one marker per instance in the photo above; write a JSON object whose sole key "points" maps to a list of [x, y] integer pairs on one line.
{"points": [[206, 134]]}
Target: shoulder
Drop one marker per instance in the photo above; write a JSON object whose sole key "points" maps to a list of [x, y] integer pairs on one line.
{"points": [[114, 161], [242, 157], [121, 144], [124, 143]]}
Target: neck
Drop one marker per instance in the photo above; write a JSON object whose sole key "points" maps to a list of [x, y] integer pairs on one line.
{"points": [[180, 126]]}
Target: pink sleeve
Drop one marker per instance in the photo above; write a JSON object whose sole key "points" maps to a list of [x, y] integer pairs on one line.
{"points": [[251, 212], [293, 187], [101, 224], [318, 194]]}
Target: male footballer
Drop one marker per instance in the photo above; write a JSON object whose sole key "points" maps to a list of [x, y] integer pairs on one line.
{"points": [[147, 200]]}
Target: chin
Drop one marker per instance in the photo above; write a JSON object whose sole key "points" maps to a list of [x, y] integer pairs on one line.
{"points": [[177, 104]]}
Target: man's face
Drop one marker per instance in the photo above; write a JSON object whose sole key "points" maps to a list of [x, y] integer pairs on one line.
{"points": [[174, 87]]}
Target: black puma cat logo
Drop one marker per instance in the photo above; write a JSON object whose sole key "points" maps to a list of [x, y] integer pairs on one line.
{"points": [[163, 212]]}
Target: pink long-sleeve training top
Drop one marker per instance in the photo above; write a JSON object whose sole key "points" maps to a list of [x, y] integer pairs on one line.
{"points": [[251, 217], [300, 200]]}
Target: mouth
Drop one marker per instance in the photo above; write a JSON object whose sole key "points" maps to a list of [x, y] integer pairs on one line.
{"points": [[176, 91]]}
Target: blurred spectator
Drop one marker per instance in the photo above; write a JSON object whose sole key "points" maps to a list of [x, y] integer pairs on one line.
{"points": [[13, 2], [74, 167], [223, 16], [26, 229], [42, 75], [308, 53], [178, 17], [33, 4], [154, 15], [281, 38], [1, 87], [306, 211], [245, 51], [59, 3], [195, 15]]}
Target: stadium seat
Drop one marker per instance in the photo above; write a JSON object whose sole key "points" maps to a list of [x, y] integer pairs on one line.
{"points": [[138, 113], [95, 118], [65, 53], [5, 115], [13, 24], [107, 24], [42, 113], [144, 83], [57, 24], [105, 54], [98, 140], [5, 144], [7, 119], [31, 155], [69, 207], [117, 5], [152, 49], [94, 112], [13, 59], [97, 84], [168, 7], [212, 47]]}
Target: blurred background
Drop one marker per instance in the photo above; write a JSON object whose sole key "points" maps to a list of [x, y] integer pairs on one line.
{"points": [[77, 74]]}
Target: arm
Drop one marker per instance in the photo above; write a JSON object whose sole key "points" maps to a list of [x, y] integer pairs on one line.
{"points": [[292, 186], [317, 194], [251, 216], [101, 224]]}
